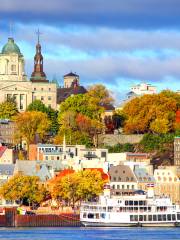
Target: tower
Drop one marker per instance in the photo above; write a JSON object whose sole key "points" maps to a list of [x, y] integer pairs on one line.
{"points": [[38, 75]]}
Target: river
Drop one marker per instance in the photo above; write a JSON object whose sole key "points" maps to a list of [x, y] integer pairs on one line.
{"points": [[89, 233]]}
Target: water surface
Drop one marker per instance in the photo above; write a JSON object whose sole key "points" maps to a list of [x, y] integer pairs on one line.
{"points": [[89, 233]]}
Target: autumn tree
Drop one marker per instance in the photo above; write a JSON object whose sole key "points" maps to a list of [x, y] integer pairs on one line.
{"points": [[101, 94], [80, 115], [152, 113], [79, 186], [38, 105], [23, 188], [31, 124], [8, 109]]}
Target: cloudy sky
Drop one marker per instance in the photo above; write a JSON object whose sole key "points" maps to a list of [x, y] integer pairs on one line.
{"points": [[115, 42]]}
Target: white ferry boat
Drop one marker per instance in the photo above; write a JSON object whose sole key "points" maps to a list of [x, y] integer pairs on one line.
{"points": [[139, 209]]}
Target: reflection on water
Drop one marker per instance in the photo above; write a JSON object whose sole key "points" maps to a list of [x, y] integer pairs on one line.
{"points": [[89, 233]]}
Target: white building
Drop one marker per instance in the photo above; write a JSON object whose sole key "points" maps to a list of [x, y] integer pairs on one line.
{"points": [[14, 82]]}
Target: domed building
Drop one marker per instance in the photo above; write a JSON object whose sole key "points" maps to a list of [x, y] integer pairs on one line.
{"points": [[14, 82]]}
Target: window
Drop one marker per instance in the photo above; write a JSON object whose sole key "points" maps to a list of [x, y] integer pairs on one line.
{"points": [[49, 98], [49, 89], [34, 89], [42, 98], [42, 89], [13, 68]]}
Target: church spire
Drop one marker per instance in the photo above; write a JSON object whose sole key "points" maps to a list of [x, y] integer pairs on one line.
{"points": [[38, 75]]}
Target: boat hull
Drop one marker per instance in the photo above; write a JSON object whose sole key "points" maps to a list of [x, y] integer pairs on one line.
{"points": [[104, 224]]}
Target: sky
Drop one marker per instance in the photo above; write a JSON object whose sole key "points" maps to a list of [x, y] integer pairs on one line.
{"points": [[117, 43]]}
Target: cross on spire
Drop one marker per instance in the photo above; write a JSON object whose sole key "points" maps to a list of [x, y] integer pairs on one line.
{"points": [[38, 34], [10, 29]]}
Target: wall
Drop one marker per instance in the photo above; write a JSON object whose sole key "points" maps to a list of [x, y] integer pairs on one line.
{"points": [[112, 139]]}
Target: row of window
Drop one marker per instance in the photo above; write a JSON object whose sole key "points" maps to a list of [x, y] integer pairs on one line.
{"points": [[42, 89], [170, 179], [123, 186], [120, 179], [158, 217]]}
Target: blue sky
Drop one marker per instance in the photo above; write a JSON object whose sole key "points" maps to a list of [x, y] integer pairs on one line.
{"points": [[118, 43]]}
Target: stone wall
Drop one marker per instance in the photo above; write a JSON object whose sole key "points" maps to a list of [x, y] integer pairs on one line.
{"points": [[112, 139]]}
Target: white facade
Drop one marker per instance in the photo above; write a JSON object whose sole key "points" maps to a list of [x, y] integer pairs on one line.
{"points": [[143, 88], [15, 84]]}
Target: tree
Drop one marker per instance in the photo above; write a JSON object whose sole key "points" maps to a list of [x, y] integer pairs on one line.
{"points": [[82, 103], [23, 188], [8, 109], [146, 113], [79, 186], [37, 106], [101, 94], [90, 185], [31, 124], [52, 114]]}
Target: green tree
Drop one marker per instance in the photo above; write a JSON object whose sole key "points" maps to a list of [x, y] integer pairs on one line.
{"points": [[38, 105], [82, 103], [8, 109]]}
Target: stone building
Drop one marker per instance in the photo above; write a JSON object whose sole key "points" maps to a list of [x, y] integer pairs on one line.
{"points": [[14, 82], [168, 182], [177, 151], [7, 130]]}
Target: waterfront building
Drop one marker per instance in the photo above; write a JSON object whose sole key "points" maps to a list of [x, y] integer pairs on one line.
{"points": [[122, 180], [168, 182], [177, 151], [125, 180]]}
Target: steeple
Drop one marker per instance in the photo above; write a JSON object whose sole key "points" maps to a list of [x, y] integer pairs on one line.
{"points": [[38, 75]]}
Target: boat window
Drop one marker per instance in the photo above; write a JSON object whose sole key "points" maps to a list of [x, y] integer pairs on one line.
{"points": [[178, 216], [164, 217], [130, 203], [169, 217], [103, 215], [149, 217], [140, 217], [90, 215], [145, 218], [97, 215], [135, 203], [131, 218], [173, 217], [84, 215], [154, 218], [104, 208], [159, 217]]}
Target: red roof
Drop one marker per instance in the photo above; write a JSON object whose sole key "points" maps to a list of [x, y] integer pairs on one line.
{"points": [[2, 150]]}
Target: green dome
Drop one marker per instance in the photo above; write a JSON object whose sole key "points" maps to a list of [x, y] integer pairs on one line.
{"points": [[11, 47]]}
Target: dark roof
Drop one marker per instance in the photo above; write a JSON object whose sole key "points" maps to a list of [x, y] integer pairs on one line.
{"points": [[71, 74], [63, 93]]}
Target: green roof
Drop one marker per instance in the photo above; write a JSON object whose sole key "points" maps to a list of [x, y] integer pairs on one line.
{"points": [[11, 47]]}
